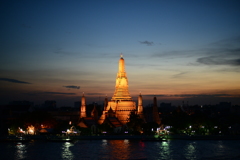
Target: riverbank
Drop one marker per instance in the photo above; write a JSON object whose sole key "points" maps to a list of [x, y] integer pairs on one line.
{"points": [[203, 137], [123, 137]]}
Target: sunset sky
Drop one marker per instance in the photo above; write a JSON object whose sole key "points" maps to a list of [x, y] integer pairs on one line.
{"points": [[176, 50]]}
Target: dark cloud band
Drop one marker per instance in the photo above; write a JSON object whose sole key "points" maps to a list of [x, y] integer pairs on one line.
{"points": [[213, 60], [13, 80], [72, 87], [148, 43], [61, 93], [95, 94], [194, 95]]}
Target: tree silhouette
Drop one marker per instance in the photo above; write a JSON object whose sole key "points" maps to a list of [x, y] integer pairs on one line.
{"points": [[135, 123]]}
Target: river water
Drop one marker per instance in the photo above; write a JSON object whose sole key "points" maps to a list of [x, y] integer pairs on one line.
{"points": [[122, 149]]}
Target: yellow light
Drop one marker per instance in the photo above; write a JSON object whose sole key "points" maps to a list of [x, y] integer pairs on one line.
{"points": [[31, 129]]}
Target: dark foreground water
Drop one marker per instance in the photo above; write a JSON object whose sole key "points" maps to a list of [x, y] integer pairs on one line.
{"points": [[122, 149]]}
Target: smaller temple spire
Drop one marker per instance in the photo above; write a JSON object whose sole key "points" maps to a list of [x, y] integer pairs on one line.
{"points": [[94, 113], [140, 107], [105, 103], [83, 107], [139, 101]]}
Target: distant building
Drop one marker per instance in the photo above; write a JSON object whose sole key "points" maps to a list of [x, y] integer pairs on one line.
{"points": [[166, 107], [77, 104], [11, 112], [50, 104], [17, 108], [21, 103]]}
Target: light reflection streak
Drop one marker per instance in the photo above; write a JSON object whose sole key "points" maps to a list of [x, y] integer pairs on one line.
{"points": [[164, 150], [116, 149], [66, 153], [21, 150], [191, 151], [104, 142], [220, 145]]}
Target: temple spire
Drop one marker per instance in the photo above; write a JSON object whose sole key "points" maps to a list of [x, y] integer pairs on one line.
{"points": [[121, 104], [140, 107], [121, 65], [83, 107], [121, 88], [105, 103], [94, 113]]}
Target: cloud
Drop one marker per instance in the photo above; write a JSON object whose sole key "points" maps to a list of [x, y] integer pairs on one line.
{"points": [[61, 93], [40, 93], [236, 69], [148, 43], [232, 42], [179, 75], [227, 51], [192, 95], [13, 80], [214, 60], [95, 94], [72, 87], [61, 51], [176, 54], [156, 95]]}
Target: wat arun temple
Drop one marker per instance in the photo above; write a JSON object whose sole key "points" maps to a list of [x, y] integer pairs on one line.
{"points": [[118, 109]]}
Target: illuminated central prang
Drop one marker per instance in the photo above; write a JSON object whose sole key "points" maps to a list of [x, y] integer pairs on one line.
{"points": [[121, 88], [116, 112], [121, 104]]}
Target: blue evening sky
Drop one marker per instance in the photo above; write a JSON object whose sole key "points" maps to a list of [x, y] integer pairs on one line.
{"points": [[176, 50]]}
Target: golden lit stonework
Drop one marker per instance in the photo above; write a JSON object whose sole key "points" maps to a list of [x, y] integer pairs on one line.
{"points": [[83, 107], [121, 103], [121, 88]]}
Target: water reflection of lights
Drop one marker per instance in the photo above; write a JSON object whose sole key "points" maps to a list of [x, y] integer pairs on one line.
{"points": [[191, 151], [164, 144], [21, 150], [126, 141], [220, 145], [119, 149], [142, 144], [104, 142], [164, 150], [66, 153]]}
